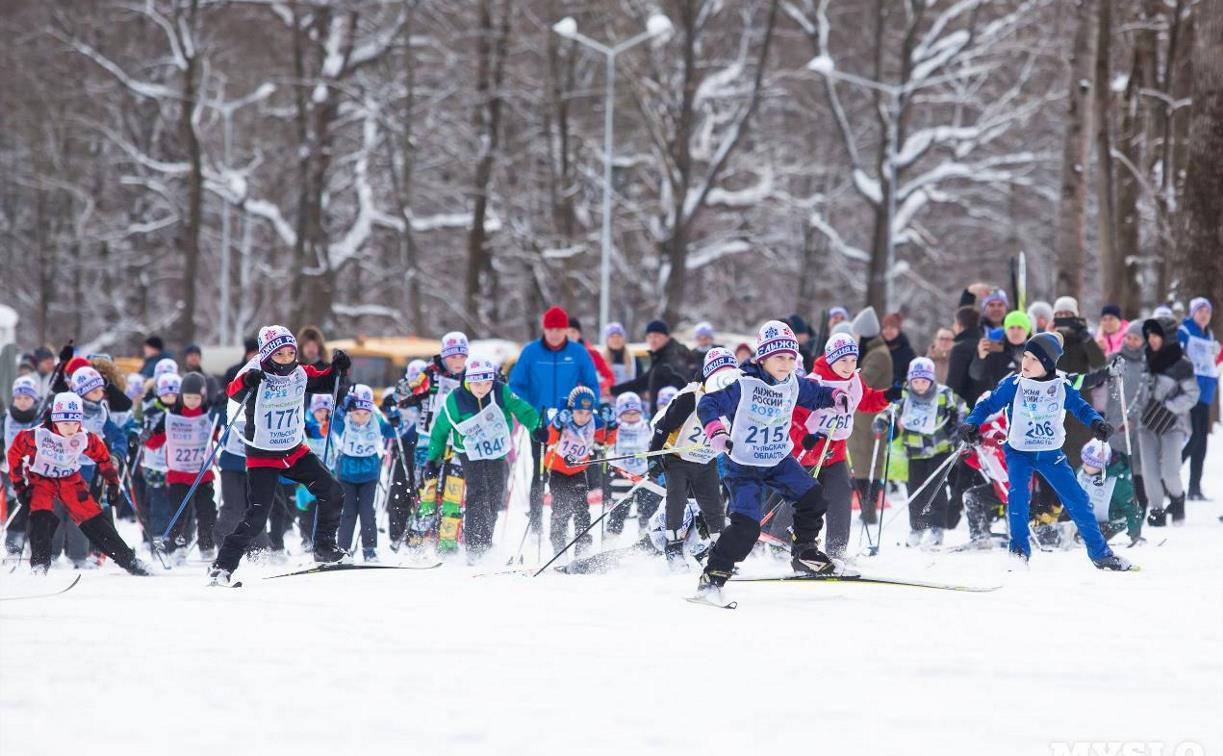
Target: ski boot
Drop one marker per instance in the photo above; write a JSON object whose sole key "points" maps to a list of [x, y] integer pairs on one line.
{"points": [[1017, 560], [1157, 517], [807, 559], [709, 587], [1114, 563], [1197, 495], [137, 568], [369, 556], [218, 576], [328, 553], [933, 539], [1176, 510], [674, 552], [914, 539]]}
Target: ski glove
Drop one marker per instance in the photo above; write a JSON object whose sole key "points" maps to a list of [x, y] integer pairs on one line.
{"points": [[719, 439], [812, 439], [879, 426], [840, 401], [893, 393], [113, 495], [252, 378], [968, 433], [1101, 429], [340, 361], [67, 352], [540, 434]]}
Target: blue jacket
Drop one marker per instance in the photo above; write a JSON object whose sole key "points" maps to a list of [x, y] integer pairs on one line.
{"points": [[358, 469], [1003, 397], [1207, 383], [723, 403], [544, 377]]}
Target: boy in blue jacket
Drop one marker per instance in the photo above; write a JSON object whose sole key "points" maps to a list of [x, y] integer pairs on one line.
{"points": [[759, 405], [358, 436], [1035, 402]]}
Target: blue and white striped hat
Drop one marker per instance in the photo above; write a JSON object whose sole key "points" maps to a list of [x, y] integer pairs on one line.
{"points": [[921, 367], [86, 379], [479, 369], [716, 359], [168, 383], [1097, 454], [361, 398], [24, 385], [67, 408]]}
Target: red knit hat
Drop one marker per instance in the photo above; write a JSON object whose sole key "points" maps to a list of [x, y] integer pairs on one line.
{"points": [[555, 317], [75, 364]]}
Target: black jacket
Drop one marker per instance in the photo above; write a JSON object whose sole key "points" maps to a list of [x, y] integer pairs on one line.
{"points": [[988, 372], [963, 351], [902, 355], [672, 365]]}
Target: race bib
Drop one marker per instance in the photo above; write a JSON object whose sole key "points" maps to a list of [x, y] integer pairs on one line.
{"points": [[575, 443], [828, 421], [280, 411], [58, 456], [1038, 415], [360, 440], [234, 443], [633, 439], [154, 459], [1201, 352], [486, 435], [1098, 496], [919, 415], [445, 385], [11, 429], [187, 440], [94, 422], [760, 433]]}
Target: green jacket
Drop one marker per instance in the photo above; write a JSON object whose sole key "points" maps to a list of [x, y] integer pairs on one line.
{"points": [[1123, 507], [462, 405]]}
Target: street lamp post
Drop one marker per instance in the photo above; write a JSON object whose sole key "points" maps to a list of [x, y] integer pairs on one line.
{"points": [[656, 26]]}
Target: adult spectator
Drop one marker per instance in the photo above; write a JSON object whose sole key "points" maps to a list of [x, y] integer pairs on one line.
{"points": [[898, 344], [1041, 315], [703, 335], [806, 344], [1111, 335], [997, 358], [546, 371], [940, 353], [1081, 355], [154, 349], [616, 352], [1202, 349], [606, 376], [966, 333], [993, 309], [1168, 395], [875, 365], [312, 347], [671, 364], [193, 358], [44, 369], [250, 348]]}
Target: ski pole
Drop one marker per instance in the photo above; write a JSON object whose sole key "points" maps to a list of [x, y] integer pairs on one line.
{"points": [[823, 455], [639, 455], [627, 496], [870, 478], [941, 472], [335, 398], [200, 475], [881, 498], [1125, 422]]}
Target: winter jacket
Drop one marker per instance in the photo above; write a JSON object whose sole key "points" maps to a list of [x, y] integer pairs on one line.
{"points": [[463, 405], [543, 377], [959, 361], [873, 400], [1169, 380], [365, 468], [949, 409], [1208, 380], [875, 367], [672, 365], [902, 354], [996, 365], [1127, 368], [1110, 345], [1002, 399]]}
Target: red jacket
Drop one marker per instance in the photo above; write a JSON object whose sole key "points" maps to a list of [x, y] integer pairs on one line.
{"points": [[606, 377], [873, 400], [70, 490]]}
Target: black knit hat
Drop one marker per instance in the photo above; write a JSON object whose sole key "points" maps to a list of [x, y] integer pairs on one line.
{"points": [[1047, 348], [194, 383], [155, 342], [658, 326]]}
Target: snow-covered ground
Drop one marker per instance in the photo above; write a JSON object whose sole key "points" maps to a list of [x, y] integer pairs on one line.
{"points": [[1061, 659]]}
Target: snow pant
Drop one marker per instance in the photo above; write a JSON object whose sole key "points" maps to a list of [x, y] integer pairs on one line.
{"points": [[1161, 465], [700, 481], [535, 511], [486, 480], [98, 531], [747, 486], [15, 537], [569, 500], [961, 479], [204, 504], [868, 497], [1195, 449], [402, 499], [263, 482], [838, 497], [1054, 468], [359, 501], [981, 507], [929, 508], [233, 507], [646, 502], [159, 508], [67, 538]]}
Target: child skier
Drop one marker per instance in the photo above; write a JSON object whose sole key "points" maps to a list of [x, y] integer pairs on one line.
{"points": [[1036, 401], [153, 462], [22, 415], [693, 471], [693, 536], [928, 415], [272, 387], [358, 437], [630, 434], [571, 438], [477, 419], [44, 468], [403, 496], [187, 429], [1105, 476], [759, 406]]}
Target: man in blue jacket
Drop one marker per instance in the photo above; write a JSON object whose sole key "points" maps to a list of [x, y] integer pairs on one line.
{"points": [[546, 371], [1203, 351]]}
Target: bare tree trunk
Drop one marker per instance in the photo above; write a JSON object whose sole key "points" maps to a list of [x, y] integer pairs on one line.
{"points": [[195, 187], [1072, 210], [411, 259], [1132, 145], [1202, 216], [1179, 83], [1106, 204]]}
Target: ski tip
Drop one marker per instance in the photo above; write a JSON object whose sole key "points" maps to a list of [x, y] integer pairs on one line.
{"points": [[701, 600]]}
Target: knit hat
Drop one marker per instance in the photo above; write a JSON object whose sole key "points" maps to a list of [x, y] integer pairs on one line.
{"points": [[1046, 347], [575, 324], [658, 326], [866, 324], [479, 369], [717, 359], [414, 369], [361, 398], [320, 402], [1111, 309], [155, 342], [42, 353], [775, 337], [702, 330], [614, 328], [798, 324], [996, 295], [135, 385], [168, 383], [454, 344], [1017, 318], [76, 363], [25, 385], [272, 338], [1097, 454], [555, 317], [1066, 304], [582, 398], [1134, 328], [1038, 310], [86, 379], [67, 408], [627, 402], [194, 383], [844, 327], [840, 345], [665, 395], [1198, 303], [921, 367], [838, 310]]}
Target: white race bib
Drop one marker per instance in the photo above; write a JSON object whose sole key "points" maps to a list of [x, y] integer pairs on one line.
{"points": [[634, 439], [1038, 415], [279, 411], [575, 443], [486, 434], [919, 415], [445, 385], [1201, 352], [234, 443], [94, 422], [828, 421], [760, 433], [58, 456], [1098, 496], [360, 440], [187, 442]]}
